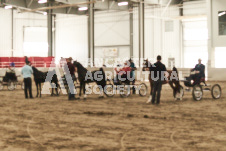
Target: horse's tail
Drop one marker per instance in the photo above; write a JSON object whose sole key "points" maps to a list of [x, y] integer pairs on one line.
{"points": [[102, 82], [101, 69], [175, 69], [177, 84], [103, 73]]}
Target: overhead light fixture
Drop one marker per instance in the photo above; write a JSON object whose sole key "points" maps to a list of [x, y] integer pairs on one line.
{"points": [[45, 13], [122, 3], [221, 14], [8, 7], [42, 1], [82, 8]]}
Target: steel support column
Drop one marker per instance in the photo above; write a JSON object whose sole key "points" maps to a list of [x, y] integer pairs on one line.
{"points": [[12, 40], [211, 49], [91, 52], [141, 30], [50, 32], [131, 33]]}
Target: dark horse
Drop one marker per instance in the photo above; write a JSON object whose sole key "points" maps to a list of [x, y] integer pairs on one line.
{"points": [[40, 77], [85, 76], [174, 83]]}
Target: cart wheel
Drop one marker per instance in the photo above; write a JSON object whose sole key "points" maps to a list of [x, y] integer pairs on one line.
{"points": [[216, 91], [125, 90], [109, 90], [1, 86], [11, 85], [143, 89], [197, 92], [22, 85]]}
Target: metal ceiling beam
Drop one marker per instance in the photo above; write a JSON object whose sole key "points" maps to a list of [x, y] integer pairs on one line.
{"points": [[58, 6], [23, 4], [66, 11], [20, 3]]}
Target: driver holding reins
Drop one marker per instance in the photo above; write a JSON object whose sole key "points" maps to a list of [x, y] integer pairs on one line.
{"points": [[199, 72]]}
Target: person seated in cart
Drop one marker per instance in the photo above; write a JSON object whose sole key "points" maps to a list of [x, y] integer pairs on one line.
{"points": [[199, 73], [122, 73], [11, 68]]}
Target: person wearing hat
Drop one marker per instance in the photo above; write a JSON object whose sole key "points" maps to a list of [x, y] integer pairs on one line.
{"points": [[27, 72], [11, 67], [199, 72]]}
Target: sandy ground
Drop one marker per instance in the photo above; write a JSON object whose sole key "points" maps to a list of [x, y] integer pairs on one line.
{"points": [[54, 123]]}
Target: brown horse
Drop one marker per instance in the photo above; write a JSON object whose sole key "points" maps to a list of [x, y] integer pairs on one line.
{"points": [[172, 79]]}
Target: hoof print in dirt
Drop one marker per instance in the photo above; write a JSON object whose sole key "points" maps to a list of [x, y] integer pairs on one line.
{"points": [[145, 116], [130, 115]]}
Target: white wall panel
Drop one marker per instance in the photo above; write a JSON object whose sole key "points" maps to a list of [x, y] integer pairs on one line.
{"points": [[157, 40], [72, 37], [5, 33], [195, 8], [112, 29]]}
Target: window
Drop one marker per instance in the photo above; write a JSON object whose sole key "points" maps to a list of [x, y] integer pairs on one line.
{"points": [[35, 41], [220, 53], [168, 26], [222, 22], [195, 37]]}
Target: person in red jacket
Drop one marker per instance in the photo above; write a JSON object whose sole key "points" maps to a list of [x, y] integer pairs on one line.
{"points": [[122, 73]]}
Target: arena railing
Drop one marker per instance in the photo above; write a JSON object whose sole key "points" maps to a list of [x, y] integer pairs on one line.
{"points": [[21, 64]]}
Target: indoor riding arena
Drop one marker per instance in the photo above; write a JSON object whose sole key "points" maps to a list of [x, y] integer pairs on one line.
{"points": [[112, 75]]}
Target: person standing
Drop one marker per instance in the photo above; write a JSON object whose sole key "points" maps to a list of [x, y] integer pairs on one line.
{"points": [[157, 73], [70, 77], [132, 73], [27, 72]]}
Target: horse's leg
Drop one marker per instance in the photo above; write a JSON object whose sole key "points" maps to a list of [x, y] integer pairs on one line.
{"points": [[151, 91], [178, 88], [56, 89], [174, 90], [84, 90], [101, 91], [36, 88], [52, 88], [151, 87], [40, 89], [80, 90]]}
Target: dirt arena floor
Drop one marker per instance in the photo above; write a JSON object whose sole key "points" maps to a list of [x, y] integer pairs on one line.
{"points": [[54, 123]]}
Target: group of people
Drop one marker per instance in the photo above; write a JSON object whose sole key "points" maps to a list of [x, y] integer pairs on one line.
{"points": [[129, 68], [27, 72], [159, 68]]}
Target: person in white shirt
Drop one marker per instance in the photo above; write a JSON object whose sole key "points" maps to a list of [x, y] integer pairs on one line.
{"points": [[27, 72]]}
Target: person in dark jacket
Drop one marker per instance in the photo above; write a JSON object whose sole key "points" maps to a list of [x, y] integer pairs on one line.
{"points": [[132, 73], [70, 76], [199, 72], [157, 74]]}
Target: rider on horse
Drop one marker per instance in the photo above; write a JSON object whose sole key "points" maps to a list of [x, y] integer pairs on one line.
{"points": [[199, 73]]}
